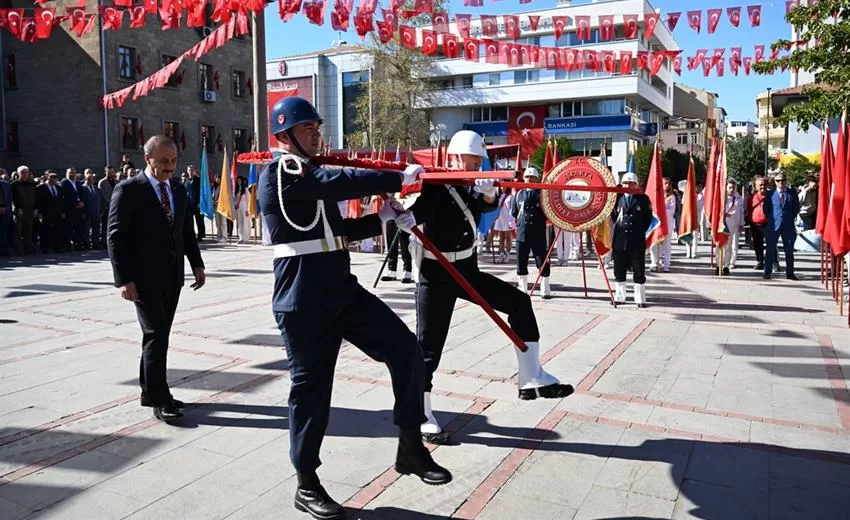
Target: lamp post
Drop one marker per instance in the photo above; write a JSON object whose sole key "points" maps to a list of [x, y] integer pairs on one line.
{"points": [[767, 132]]}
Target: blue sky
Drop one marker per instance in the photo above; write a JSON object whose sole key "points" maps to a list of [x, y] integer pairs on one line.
{"points": [[737, 94]]}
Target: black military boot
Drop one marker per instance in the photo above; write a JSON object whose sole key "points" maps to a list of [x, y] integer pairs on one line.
{"points": [[413, 457], [312, 498]]}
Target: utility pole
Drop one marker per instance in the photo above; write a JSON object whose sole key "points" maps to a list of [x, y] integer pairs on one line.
{"points": [[767, 132], [261, 108]]}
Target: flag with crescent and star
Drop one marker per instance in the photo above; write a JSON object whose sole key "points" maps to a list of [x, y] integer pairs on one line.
{"points": [[525, 127]]}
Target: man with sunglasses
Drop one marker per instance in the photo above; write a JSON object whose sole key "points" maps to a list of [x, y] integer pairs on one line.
{"points": [[781, 207]]}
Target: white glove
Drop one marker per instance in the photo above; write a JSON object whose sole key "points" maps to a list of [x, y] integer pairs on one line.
{"points": [[388, 212], [485, 187], [405, 221], [411, 173]]}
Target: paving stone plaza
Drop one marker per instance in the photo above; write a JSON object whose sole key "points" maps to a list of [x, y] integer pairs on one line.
{"points": [[727, 398]]}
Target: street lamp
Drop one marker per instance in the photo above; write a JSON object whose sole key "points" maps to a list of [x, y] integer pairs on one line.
{"points": [[767, 131]]}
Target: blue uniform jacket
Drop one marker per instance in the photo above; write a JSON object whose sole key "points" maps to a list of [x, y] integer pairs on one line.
{"points": [[531, 221], [780, 219], [444, 221], [313, 281]]}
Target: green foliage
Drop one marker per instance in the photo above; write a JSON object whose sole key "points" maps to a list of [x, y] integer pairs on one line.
{"points": [[797, 170], [678, 166], [643, 162], [828, 60], [565, 150], [745, 158]]}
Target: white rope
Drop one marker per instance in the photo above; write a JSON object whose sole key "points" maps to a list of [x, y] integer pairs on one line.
{"points": [[297, 171]]}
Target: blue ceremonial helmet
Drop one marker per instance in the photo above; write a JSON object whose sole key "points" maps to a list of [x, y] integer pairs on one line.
{"points": [[292, 111]]}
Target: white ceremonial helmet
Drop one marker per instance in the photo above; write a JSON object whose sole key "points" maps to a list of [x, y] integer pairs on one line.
{"points": [[467, 142], [531, 172], [629, 177]]}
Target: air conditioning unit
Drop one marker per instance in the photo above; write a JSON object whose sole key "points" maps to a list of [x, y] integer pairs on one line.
{"points": [[209, 96]]}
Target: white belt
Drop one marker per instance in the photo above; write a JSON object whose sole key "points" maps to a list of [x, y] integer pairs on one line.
{"points": [[452, 257], [308, 247]]}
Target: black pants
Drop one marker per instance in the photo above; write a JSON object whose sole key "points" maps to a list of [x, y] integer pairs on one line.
{"points": [[312, 340], [788, 239], [402, 243], [155, 310], [93, 236], [437, 293], [808, 221], [536, 247], [74, 229], [50, 233], [634, 259], [757, 231], [199, 222]]}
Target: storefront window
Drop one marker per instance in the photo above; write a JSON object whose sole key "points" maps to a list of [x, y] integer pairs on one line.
{"points": [[354, 85]]}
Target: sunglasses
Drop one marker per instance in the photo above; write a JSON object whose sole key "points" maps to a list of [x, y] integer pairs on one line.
{"points": [[779, 180]]}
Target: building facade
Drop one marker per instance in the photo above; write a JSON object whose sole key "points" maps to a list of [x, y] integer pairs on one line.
{"points": [[737, 129], [775, 133], [51, 88], [332, 79], [687, 129], [590, 108]]}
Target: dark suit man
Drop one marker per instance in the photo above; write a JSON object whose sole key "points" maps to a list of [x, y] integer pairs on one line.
{"points": [[48, 202], [530, 234], [194, 189], [149, 232], [781, 207], [93, 211], [5, 217], [73, 205], [632, 216]]}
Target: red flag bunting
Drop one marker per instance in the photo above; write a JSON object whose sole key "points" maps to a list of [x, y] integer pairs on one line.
{"points": [[650, 20], [533, 20], [630, 26], [695, 20], [713, 19], [673, 19], [754, 12], [734, 14]]}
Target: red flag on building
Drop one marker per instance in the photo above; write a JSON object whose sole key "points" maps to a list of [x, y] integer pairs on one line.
{"points": [[630, 26], [525, 127]]}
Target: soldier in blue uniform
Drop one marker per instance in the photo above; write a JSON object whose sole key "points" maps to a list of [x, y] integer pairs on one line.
{"points": [[318, 302], [530, 233], [632, 216], [449, 217]]}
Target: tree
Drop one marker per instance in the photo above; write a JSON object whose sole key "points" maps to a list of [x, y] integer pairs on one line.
{"points": [[565, 150], [745, 157], [827, 57], [643, 162], [679, 163], [798, 169]]}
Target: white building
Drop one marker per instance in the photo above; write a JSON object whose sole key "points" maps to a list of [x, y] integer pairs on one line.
{"points": [[587, 107], [740, 128], [331, 79]]}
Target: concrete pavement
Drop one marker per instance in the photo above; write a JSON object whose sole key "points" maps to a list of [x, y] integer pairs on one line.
{"points": [[726, 398]]}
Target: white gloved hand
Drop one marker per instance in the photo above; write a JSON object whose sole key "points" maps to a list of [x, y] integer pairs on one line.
{"points": [[388, 212], [411, 174], [396, 205], [485, 187], [405, 221]]}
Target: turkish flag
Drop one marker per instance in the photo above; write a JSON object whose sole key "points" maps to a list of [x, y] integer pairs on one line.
{"points": [[591, 61], [754, 12], [451, 47], [657, 62], [748, 65], [489, 25], [642, 60], [606, 27], [462, 21], [625, 62], [491, 51], [677, 65], [734, 16], [470, 49], [569, 61], [701, 54], [473, 3], [441, 22], [553, 58], [340, 18], [583, 32], [695, 20], [423, 6], [533, 20], [429, 42], [78, 20], [790, 5], [112, 18], [759, 56], [512, 26], [138, 16], [525, 127], [608, 61], [650, 20], [825, 181], [706, 66], [835, 231], [558, 24], [391, 20], [408, 36], [630, 26], [713, 19], [721, 65], [363, 24], [315, 12], [385, 31], [673, 19], [44, 21]]}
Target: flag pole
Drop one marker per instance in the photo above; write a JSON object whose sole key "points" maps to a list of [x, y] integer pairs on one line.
{"points": [[581, 253], [605, 277]]}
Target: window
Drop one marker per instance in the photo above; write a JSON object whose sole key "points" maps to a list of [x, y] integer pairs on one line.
{"points": [[171, 129], [126, 63], [10, 74], [523, 76], [553, 110], [238, 83], [489, 114], [682, 138], [604, 107], [693, 138], [205, 76], [172, 81], [466, 81], [495, 79], [129, 133], [240, 140], [355, 84], [12, 140], [208, 138]]}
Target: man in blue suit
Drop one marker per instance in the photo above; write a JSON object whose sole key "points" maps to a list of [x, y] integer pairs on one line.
{"points": [[781, 207]]}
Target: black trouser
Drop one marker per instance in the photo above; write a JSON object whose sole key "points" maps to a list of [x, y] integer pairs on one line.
{"points": [[104, 219], [93, 235], [757, 231], [199, 222], [73, 228], [402, 243], [808, 221], [23, 232], [634, 259], [437, 293], [538, 248], [312, 340], [155, 309], [50, 233]]}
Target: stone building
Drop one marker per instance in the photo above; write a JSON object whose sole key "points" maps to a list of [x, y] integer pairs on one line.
{"points": [[51, 117]]}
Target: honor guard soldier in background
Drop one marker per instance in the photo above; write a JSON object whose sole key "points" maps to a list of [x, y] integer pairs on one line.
{"points": [[530, 233], [318, 302], [450, 218], [632, 216]]}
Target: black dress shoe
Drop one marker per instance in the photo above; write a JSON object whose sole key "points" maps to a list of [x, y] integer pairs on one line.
{"points": [[766, 277], [146, 401], [555, 391], [408, 280], [388, 278], [792, 277], [167, 413], [413, 457], [440, 439], [318, 504]]}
